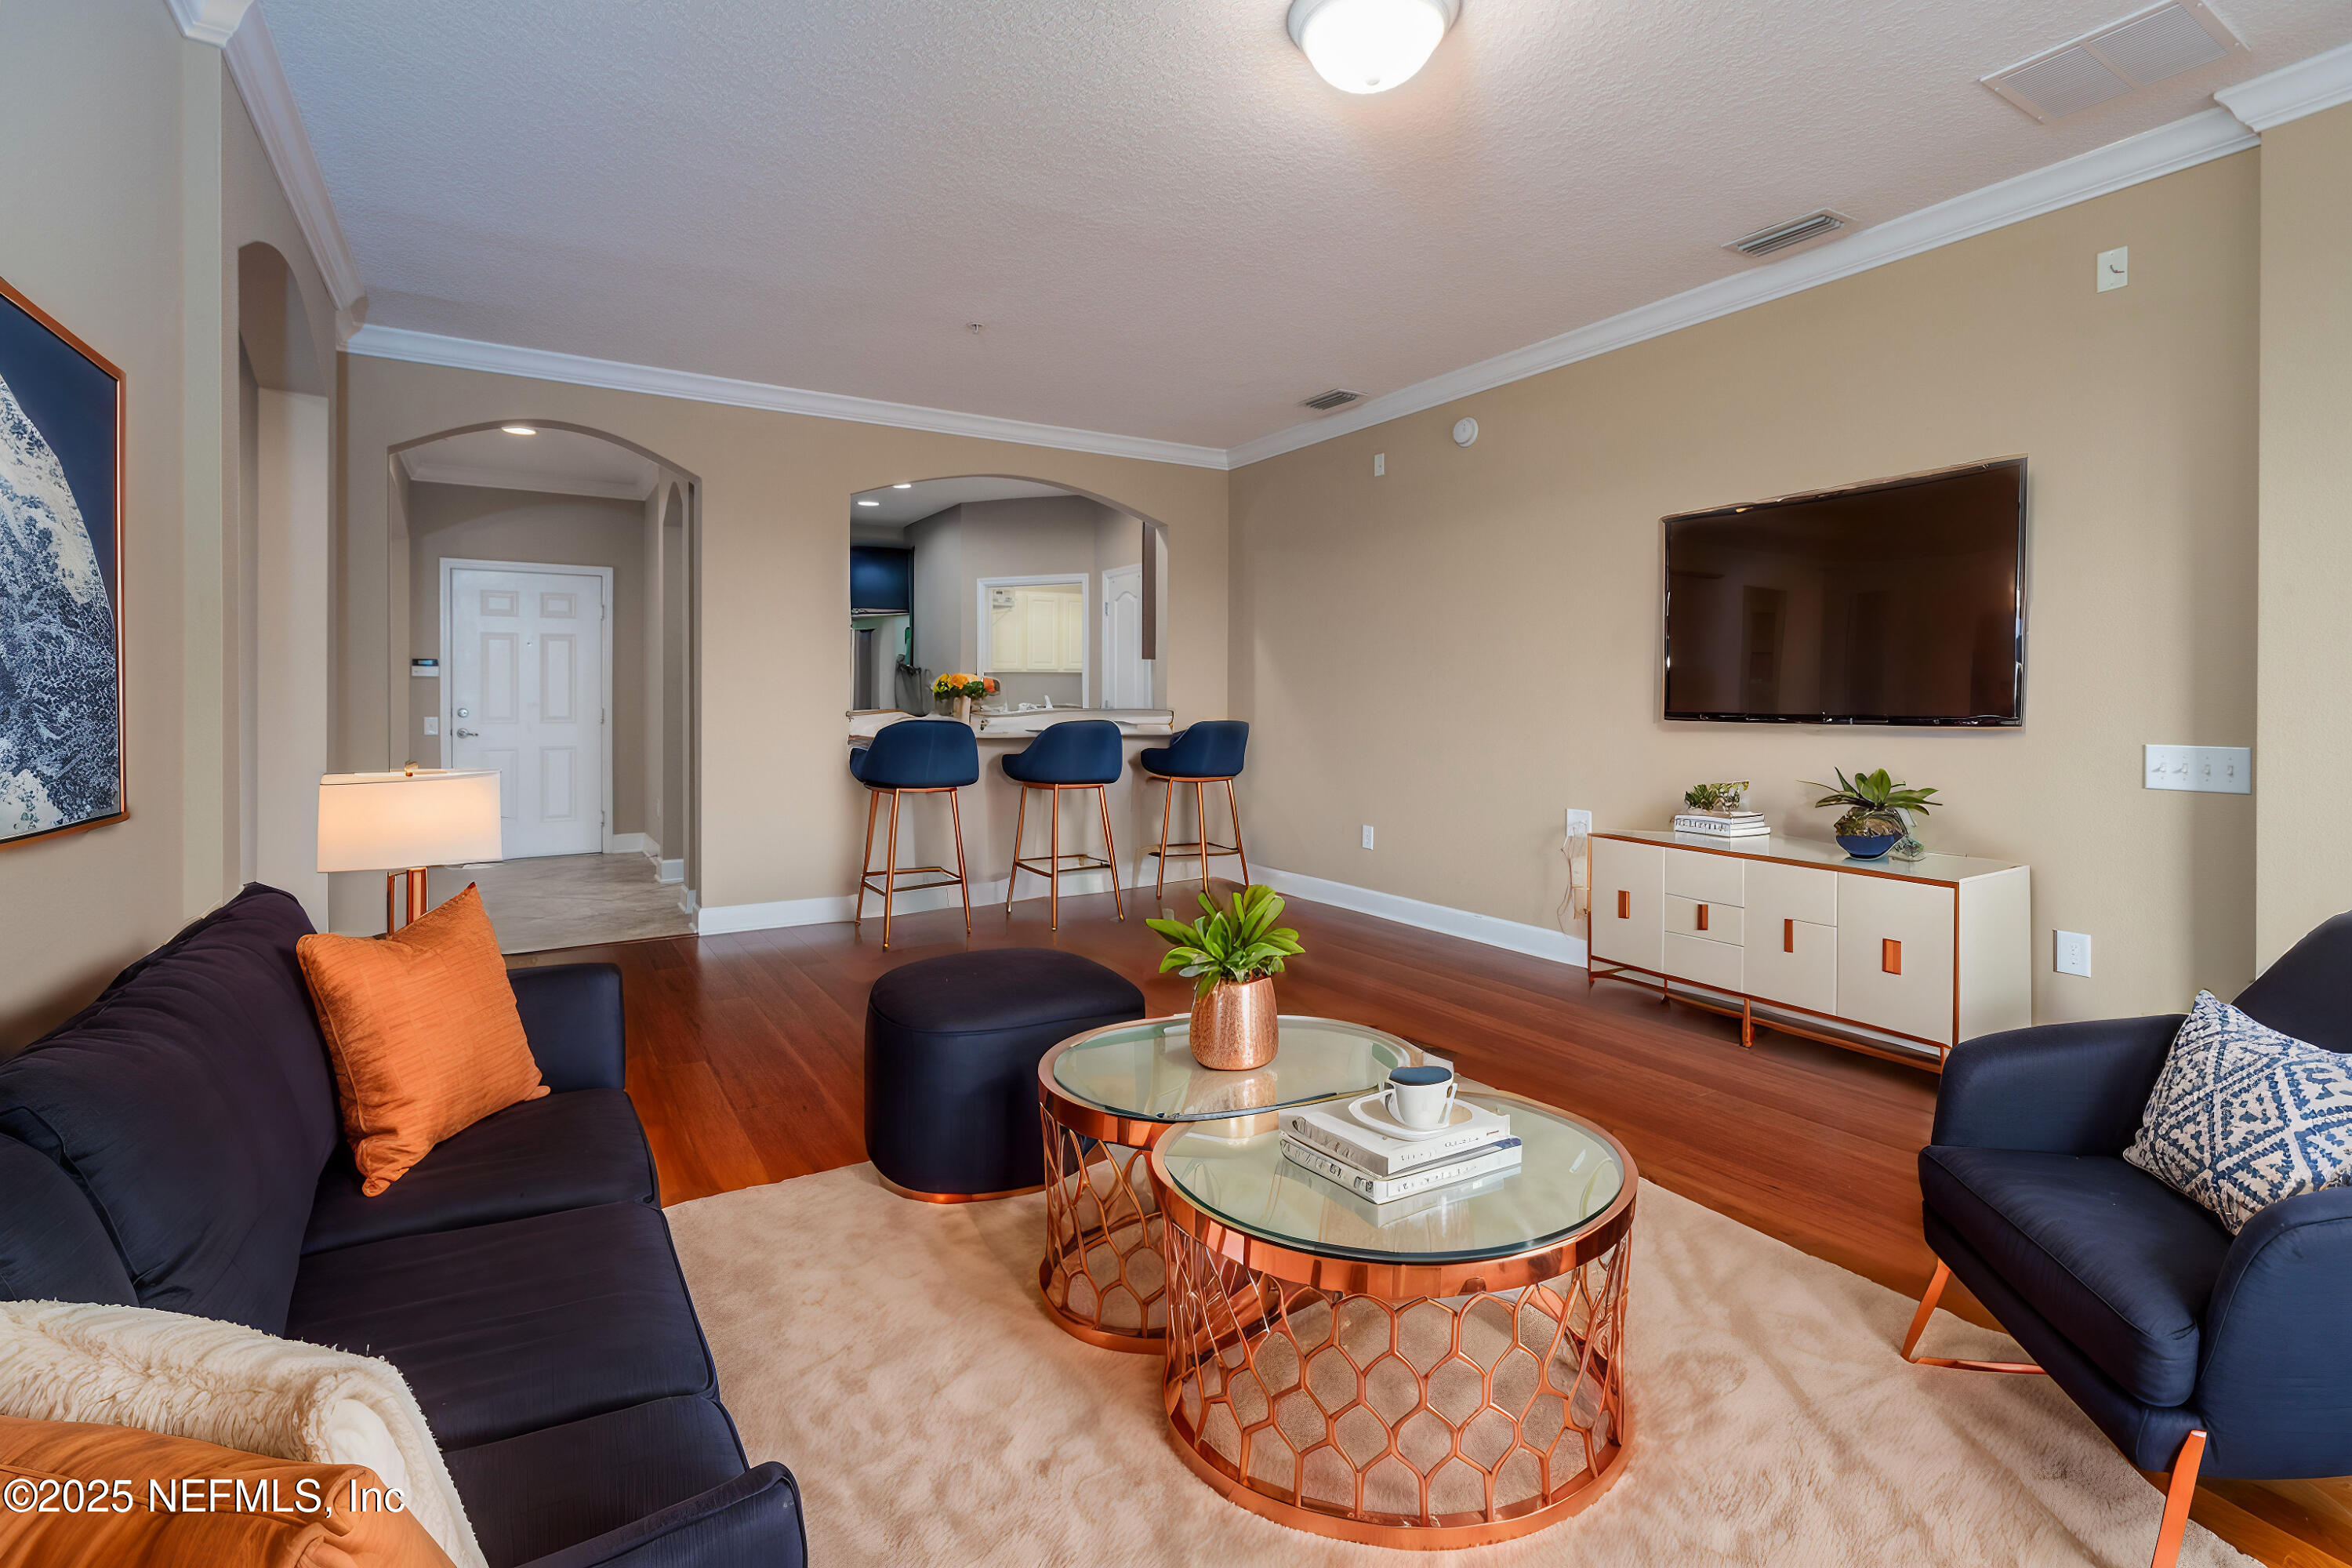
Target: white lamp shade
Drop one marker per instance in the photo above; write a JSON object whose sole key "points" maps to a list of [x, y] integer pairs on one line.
{"points": [[388, 821], [1370, 46]]}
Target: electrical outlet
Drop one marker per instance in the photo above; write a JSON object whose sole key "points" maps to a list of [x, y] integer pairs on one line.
{"points": [[2211, 770], [1580, 824], [1367, 836], [2114, 268], [2073, 955], [1380, 463]]}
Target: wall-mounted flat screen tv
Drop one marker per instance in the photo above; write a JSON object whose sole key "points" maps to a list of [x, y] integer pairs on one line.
{"points": [[1901, 602]]}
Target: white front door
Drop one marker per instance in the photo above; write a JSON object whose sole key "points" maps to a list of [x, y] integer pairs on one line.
{"points": [[1127, 678], [526, 696]]}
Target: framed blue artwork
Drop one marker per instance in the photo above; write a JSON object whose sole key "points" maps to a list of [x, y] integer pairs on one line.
{"points": [[62, 473]]}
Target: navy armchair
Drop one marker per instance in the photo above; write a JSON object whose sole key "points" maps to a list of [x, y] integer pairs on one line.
{"points": [[2194, 1351]]}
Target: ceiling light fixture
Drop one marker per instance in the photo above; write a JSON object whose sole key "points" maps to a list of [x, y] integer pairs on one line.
{"points": [[1370, 46], [519, 429], [902, 487], [869, 503]]}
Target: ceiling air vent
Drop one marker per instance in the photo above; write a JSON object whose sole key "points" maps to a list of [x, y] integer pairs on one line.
{"points": [[2145, 47], [1335, 398], [1781, 235]]}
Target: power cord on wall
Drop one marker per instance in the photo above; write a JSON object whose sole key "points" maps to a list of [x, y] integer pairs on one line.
{"points": [[1576, 904]]}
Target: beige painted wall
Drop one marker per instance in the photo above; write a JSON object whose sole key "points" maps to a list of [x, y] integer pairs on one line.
{"points": [[2303, 875], [137, 183], [1459, 651], [779, 817], [473, 523]]}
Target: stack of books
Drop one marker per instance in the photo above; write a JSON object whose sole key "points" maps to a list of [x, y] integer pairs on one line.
{"points": [[1736, 824], [1332, 1142]]}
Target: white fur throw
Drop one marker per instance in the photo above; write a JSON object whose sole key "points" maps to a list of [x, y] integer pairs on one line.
{"points": [[226, 1383]]}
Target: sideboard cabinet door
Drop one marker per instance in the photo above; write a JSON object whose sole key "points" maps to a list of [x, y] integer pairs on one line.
{"points": [[1894, 955], [1627, 904]]}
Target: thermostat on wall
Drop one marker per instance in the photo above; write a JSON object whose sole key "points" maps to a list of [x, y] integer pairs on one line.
{"points": [[424, 668]]}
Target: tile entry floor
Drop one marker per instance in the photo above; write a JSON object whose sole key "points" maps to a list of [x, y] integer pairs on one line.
{"points": [[570, 901]]}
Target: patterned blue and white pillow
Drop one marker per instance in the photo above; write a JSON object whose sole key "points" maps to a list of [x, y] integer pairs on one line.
{"points": [[2243, 1116]]}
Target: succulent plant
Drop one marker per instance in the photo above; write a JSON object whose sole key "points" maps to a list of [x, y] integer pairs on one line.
{"points": [[1239, 943], [1874, 804], [1715, 797]]}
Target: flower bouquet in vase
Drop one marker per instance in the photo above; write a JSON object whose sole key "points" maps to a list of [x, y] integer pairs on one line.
{"points": [[956, 693]]}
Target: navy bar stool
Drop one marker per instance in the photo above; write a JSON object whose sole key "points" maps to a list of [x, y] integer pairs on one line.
{"points": [[1075, 754], [913, 756], [1200, 755]]}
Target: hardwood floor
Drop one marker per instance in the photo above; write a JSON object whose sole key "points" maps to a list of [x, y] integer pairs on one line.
{"points": [[746, 1062]]}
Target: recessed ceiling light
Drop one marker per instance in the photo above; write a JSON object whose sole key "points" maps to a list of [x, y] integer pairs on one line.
{"points": [[519, 429], [869, 503], [902, 487], [1370, 46]]}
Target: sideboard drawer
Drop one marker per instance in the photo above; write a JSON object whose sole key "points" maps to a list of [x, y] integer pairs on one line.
{"points": [[1895, 943], [1702, 962], [1794, 961], [1706, 878], [1777, 892], [1709, 922], [1627, 912]]}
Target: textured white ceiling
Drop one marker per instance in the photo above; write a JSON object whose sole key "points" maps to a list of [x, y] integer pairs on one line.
{"points": [[1167, 226], [561, 462]]}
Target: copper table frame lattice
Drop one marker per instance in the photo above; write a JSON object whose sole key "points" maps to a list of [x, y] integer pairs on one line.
{"points": [[1498, 1454]]}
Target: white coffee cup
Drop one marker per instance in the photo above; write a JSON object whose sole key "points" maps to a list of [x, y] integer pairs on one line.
{"points": [[1419, 1098]]}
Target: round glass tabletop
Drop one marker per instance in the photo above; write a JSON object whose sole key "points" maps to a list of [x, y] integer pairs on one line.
{"points": [[1147, 1071], [1570, 1174]]}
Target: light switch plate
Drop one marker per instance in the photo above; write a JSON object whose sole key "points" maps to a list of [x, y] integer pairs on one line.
{"points": [[2210, 770], [1380, 463], [432, 726], [2114, 267], [2074, 953]]}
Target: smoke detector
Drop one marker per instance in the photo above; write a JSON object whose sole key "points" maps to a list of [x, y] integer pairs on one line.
{"points": [[1796, 231], [2145, 47], [1323, 403]]}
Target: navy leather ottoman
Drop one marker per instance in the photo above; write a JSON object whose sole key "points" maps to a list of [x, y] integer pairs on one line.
{"points": [[951, 1052]]}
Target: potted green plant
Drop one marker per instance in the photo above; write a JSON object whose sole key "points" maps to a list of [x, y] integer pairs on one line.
{"points": [[1873, 821], [1232, 955]]}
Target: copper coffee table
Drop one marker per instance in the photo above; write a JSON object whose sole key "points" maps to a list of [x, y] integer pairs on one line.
{"points": [[1445, 1371], [1105, 1096]]}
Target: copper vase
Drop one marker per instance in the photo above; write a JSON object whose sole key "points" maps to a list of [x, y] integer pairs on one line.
{"points": [[1234, 1027]]}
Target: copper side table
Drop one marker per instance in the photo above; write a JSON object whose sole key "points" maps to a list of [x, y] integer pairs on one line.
{"points": [[1106, 1096], [1445, 1371]]}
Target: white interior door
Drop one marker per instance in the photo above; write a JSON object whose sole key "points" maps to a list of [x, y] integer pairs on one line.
{"points": [[526, 680], [1127, 678]]}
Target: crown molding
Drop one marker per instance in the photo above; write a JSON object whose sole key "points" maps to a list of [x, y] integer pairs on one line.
{"points": [[616, 376], [428, 471], [208, 21], [2306, 87], [2184, 143], [269, 102]]}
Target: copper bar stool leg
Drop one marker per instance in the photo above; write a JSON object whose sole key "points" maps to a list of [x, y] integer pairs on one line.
{"points": [[1110, 850], [963, 884], [891, 871], [1053, 882], [866, 860], [1167, 806], [1201, 826], [1235, 806], [1020, 820]]}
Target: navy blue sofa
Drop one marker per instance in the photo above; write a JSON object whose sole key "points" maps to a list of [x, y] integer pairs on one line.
{"points": [[2187, 1346], [176, 1145]]}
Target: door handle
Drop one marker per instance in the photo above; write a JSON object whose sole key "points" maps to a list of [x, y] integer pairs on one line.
{"points": [[1788, 936], [468, 734], [1890, 955], [1624, 905], [1702, 917]]}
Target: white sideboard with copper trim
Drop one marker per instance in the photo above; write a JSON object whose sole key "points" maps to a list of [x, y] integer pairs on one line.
{"points": [[1899, 958]]}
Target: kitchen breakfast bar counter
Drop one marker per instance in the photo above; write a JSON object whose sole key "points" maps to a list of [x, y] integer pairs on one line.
{"points": [[991, 806]]}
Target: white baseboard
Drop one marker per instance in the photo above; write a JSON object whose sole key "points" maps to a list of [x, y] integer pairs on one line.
{"points": [[1537, 942], [625, 844], [718, 920], [667, 870]]}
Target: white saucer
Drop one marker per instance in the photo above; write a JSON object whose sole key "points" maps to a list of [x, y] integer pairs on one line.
{"points": [[1377, 1119]]}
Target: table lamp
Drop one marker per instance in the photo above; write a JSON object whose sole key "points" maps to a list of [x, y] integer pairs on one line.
{"points": [[400, 823]]}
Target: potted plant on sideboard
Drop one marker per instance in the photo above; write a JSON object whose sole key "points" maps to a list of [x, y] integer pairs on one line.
{"points": [[1873, 820], [1233, 955]]}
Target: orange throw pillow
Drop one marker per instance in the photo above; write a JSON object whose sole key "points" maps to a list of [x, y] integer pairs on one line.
{"points": [[167, 1511], [422, 1031]]}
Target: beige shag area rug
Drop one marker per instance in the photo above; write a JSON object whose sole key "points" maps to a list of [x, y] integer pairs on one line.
{"points": [[896, 1356]]}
